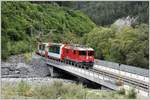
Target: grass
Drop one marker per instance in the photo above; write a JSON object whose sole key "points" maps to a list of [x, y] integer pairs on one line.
{"points": [[131, 93], [23, 89], [58, 90], [27, 57]]}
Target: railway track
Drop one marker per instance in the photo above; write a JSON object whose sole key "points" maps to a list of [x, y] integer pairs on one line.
{"points": [[134, 82]]}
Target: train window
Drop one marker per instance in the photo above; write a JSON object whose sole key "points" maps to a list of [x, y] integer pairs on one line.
{"points": [[41, 47], [74, 52], [83, 53], [51, 49], [57, 49], [67, 51], [90, 53], [54, 49]]}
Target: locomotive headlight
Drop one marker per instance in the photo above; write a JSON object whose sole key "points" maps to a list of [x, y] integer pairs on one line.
{"points": [[87, 57]]}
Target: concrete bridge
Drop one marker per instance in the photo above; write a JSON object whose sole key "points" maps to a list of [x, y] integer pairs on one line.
{"points": [[105, 76]]}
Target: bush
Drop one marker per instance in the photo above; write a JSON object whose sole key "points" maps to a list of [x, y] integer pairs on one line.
{"points": [[44, 92], [23, 88], [132, 94], [8, 91], [56, 90], [27, 57], [59, 90], [121, 91]]}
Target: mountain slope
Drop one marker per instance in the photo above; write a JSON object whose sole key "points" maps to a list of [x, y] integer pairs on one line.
{"points": [[105, 13], [19, 17]]}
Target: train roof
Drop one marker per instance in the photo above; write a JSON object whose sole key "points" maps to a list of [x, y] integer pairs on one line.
{"points": [[73, 46], [59, 44], [79, 47], [44, 43], [83, 49]]}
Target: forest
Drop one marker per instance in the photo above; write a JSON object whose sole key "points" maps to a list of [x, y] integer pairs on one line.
{"points": [[87, 23]]}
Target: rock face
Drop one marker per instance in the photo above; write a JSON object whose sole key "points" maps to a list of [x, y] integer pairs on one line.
{"points": [[17, 68], [128, 21]]}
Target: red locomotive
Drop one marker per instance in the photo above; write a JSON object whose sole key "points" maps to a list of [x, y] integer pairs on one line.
{"points": [[76, 54]]}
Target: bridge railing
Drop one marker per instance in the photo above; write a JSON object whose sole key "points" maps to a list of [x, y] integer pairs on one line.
{"points": [[97, 77], [123, 67]]}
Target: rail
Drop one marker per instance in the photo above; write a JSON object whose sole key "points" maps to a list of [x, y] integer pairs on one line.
{"points": [[134, 82]]}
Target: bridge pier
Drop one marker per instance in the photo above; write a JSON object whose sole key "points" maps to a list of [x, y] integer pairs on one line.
{"points": [[51, 69]]}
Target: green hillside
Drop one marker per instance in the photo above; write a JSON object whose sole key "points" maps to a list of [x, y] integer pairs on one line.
{"points": [[19, 17], [128, 46], [106, 13]]}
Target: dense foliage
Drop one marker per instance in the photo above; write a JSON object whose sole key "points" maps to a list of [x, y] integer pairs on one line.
{"points": [[19, 17], [128, 45], [105, 13]]}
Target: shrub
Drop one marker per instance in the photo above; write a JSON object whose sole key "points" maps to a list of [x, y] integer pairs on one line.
{"points": [[56, 90], [27, 57], [43, 92], [132, 94], [23, 88], [7, 91], [121, 91]]}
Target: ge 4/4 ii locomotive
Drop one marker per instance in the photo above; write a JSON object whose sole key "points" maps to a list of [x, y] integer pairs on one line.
{"points": [[77, 54]]}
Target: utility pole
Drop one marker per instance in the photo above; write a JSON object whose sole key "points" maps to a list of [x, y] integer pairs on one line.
{"points": [[31, 40], [41, 34]]}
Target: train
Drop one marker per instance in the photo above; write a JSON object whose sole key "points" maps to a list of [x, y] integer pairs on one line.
{"points": [[73, 53]]}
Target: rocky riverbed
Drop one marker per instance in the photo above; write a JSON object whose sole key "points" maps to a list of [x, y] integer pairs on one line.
{"points": [[36, 72], [15, 67]]}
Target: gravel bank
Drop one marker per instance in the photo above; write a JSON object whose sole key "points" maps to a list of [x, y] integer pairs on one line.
{"points": [[15, 70], [15, 67]]}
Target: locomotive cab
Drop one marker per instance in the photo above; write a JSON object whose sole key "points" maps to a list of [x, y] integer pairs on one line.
{"points": [[87, 57], [82, 56]]}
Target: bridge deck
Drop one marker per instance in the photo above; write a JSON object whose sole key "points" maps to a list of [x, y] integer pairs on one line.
{"points": [[95, 77], [104, 77]]}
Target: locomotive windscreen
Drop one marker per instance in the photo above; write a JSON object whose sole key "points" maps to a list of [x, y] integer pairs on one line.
{"points": [[90, 53], [83, 53]]}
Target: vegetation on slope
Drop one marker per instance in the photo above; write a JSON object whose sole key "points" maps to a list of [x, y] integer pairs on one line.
{"points": [[128, 45], [58, 90], [19, 17], [105, 13]]}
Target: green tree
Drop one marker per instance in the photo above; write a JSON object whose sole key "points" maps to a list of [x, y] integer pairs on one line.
{"points": [[18, 17], [130, 46], [99, 39]]}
